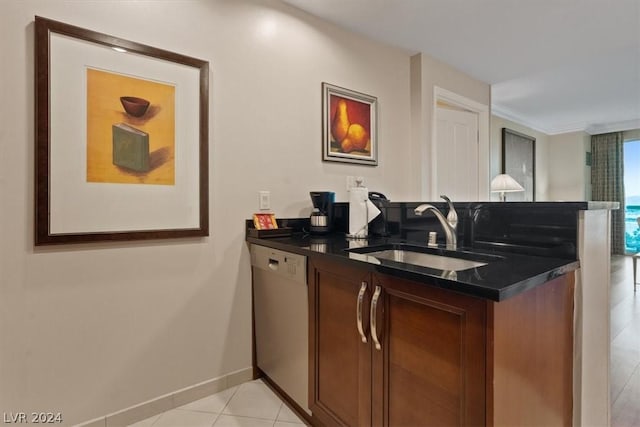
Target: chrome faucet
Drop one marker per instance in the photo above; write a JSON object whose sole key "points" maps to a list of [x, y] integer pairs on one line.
{"points": [[449, 224]]}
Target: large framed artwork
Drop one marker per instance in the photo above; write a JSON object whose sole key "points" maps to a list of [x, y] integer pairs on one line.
{"points": [[349, 126], [121, 139], [519, 161]]}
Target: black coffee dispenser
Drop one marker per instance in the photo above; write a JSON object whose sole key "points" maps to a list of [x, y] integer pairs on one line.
{"points": [[322, 214]]}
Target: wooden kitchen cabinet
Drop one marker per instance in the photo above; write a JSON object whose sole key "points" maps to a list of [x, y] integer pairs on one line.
{"points": [[339, 362], [445, 359], [428, 369]]}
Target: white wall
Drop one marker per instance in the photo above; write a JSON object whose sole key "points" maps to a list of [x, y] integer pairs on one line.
{"points": [[91, 329], [542, 154], [427, 72], [569, 176]]}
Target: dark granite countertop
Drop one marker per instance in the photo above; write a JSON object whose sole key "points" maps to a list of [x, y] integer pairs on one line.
{"points": [[505, 275], [575, 205]]}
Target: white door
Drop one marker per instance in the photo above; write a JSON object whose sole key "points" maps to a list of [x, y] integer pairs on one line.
{"points": [[456, 155]]}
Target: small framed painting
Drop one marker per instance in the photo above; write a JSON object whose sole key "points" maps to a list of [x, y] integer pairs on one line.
{"points": [[519, 161], [349, 126]]}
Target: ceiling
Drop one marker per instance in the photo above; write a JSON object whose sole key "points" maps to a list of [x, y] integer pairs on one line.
{"points": [[554, 65]]}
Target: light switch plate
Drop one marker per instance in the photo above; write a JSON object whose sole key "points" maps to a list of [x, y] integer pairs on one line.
{"points": [[264, 200]]}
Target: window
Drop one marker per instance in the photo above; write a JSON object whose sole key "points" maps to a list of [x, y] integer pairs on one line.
{"points": [[632, 195]]}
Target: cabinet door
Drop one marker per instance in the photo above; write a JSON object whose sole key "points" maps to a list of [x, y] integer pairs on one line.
{"points": [[340, 366], [431, 368]]}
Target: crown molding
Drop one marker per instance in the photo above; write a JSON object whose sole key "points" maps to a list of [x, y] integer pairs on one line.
{"points": [[568, 128], [614, 127], [591, 129], [507, 114]]}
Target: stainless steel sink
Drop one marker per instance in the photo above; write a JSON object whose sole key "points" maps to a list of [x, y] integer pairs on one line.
{"points": [[434, 258], [438, 262]]}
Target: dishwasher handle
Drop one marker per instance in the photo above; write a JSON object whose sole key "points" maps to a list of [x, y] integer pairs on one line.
{"points": [[273, 264]]}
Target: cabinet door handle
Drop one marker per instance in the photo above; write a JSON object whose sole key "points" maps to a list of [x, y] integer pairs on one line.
{"points": [[374, 309], [363, 289]]}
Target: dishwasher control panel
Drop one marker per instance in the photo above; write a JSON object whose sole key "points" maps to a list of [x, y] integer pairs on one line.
{"points": [[293, 266]]}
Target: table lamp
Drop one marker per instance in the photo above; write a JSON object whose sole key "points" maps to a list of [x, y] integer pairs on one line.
{"points": [[504, 183]]}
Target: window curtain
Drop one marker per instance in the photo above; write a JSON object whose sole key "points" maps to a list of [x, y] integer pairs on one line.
{"points": [[607, 181]]}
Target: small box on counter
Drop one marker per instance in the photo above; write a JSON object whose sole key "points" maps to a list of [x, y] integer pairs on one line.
{"points": [[266, 225], [264, 221]]}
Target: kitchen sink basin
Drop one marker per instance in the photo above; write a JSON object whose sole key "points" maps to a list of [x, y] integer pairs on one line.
{"points": [[438, 262], [434, 258]]}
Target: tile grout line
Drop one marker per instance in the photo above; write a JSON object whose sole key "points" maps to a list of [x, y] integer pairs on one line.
{"points": [[237, 387], [216, 419], [636, 370], [253, 418], [613, 401], [180, 408], [625, 326], [157, 418], [274, 420], [278, 414], [229, 400]]}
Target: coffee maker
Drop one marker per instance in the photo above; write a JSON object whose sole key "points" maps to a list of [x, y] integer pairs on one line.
{"points": [[322, 214]]}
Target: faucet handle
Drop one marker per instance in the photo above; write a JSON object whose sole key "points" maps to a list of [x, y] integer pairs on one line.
{"points": [[452, 216]]}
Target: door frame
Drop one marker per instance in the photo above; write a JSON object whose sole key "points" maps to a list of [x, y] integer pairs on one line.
{"points": [[482, 110]]}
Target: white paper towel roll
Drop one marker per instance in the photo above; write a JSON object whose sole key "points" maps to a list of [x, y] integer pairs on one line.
{"points": [[361, 212]]}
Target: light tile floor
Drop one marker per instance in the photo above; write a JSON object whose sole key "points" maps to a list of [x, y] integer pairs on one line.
{"points": [[251, 404]]}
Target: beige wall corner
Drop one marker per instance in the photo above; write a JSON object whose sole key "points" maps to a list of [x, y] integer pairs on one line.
{"points": [[569, 175], [426, 74]]}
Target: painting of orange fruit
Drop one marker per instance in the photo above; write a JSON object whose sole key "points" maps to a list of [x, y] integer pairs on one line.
{"points": [[349, 125]]}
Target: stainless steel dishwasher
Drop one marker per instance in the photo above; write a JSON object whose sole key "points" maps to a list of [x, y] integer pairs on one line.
{"points": [[281, 319]]}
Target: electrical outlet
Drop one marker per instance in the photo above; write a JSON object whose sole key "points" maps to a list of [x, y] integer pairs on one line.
{"points": [[264, 200]]}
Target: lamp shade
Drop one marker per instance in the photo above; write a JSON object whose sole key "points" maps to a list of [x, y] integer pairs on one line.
{"points": [[504, 183]]}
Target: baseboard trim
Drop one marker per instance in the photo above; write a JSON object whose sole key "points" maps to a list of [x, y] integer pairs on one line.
{"points": [[171, 400]]}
